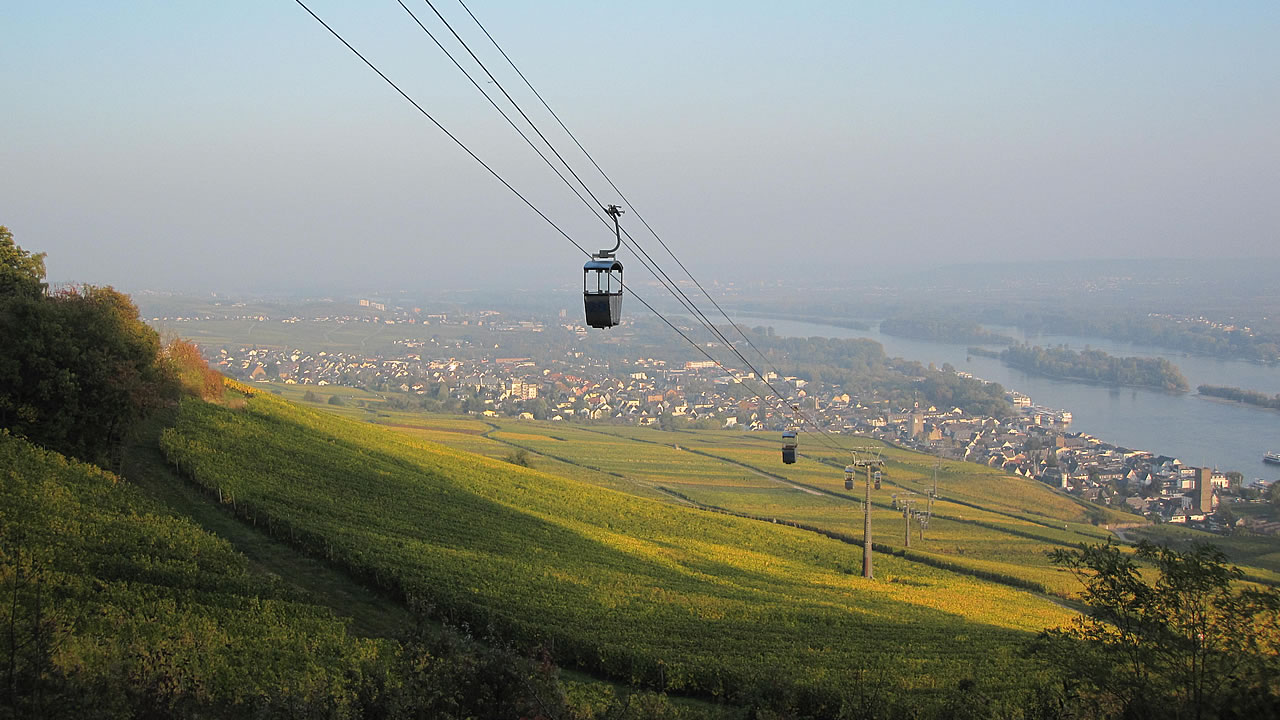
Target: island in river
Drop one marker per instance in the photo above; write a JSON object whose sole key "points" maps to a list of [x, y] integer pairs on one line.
{"points": [[1095, 366]]}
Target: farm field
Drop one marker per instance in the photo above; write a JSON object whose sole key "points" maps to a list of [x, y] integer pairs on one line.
{"points": [[639, 590]]}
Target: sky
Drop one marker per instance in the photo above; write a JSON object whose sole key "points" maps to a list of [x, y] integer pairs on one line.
{"points": [[238, 146]]}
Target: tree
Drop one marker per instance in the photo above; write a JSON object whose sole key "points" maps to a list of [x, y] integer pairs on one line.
{"points": [[1192, 643], [77, 367], [21, 272]]}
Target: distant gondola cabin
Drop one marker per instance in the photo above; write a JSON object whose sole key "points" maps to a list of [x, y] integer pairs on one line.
{"points": [[789, 447], [602, 291], [848, 477]]}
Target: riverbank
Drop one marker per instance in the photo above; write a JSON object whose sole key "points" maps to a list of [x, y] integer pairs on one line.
{"points": [[1195, 429]]}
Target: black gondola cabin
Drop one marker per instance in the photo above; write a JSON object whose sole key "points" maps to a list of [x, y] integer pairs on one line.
{"points": [[602, 291], [848, 477], [789, 446]]}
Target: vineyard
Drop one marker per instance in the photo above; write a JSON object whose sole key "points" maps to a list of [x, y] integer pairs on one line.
{"points": [[113, 607], [984, 522], [641, 591]]}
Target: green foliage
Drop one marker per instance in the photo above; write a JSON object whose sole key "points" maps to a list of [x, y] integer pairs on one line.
{"points": [[1096, 366], [1199, 338], [1192, 642], [941, 329], [519, 457], [336, 400], [111, 608], [77, 369], [1248, 397], [21, 272]]}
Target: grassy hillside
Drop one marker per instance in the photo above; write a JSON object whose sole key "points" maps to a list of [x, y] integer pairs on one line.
{"points": [[984, 521], [110, 606], [628, 586]]}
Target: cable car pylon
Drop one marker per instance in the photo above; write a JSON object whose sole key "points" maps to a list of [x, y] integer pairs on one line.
{"points": [[850, 472]]}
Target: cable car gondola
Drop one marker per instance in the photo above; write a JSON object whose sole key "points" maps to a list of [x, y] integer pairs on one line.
{"points": [[848, 477], [789, 446], [602, 282]]}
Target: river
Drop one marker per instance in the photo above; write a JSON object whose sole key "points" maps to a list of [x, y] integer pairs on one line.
{"points": [[1197, 430]]}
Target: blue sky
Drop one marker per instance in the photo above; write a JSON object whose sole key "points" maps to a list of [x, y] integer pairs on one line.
{"points": [[236, 145]]}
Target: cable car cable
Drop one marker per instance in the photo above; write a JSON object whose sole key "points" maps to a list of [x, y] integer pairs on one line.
{"points": [[443, 129], [651, 265], [510, 99], [501, 179], [487, 167], [612, 184], [705, 321]]}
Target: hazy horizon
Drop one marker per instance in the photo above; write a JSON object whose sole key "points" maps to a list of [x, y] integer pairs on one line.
{"points": [[240, 147]]}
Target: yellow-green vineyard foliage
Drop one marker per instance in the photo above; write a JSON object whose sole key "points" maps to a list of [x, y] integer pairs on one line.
{"points": [[984, 522], [110, 607], [643, 591]]}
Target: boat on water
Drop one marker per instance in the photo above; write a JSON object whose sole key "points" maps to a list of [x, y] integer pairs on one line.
{"points": [[1272, 457]]}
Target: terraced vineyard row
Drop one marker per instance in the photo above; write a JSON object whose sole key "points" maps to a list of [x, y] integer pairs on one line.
{"points": [[634, 588], [741, 473], [114, 608]]}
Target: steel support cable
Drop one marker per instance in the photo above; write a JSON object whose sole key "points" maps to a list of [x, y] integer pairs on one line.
{"points": [[654, 268], [495, 105], [647, 261], [490, 169], [782, 401], [622, 195], [671, 285], [609, 180], [487, 167], [512, 100], [443, 129], [668, 283]]}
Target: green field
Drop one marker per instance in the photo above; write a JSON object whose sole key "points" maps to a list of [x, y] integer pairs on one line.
{"points": [[636, 589]]}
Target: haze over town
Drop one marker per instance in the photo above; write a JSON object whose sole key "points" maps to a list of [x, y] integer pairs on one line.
{"points": [[239, 146]]}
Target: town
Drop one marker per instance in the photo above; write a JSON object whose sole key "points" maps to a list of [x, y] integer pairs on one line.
{"points": [[439, 372]]}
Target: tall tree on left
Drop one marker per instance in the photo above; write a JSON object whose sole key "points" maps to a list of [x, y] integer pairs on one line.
{"points": [[78, 366]]}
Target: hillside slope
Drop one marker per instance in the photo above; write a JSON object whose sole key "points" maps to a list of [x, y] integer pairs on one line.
{"points": [[113, 607], [638, 589]]}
